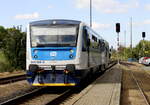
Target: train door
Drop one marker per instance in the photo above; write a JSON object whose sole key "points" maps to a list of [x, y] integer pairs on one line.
{"points": [[86, 44]]}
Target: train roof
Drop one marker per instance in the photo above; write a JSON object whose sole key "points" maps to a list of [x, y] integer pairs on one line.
{"points": [[54, 21]]}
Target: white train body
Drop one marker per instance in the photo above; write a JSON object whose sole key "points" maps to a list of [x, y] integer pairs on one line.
{"points": [[62, 52]]}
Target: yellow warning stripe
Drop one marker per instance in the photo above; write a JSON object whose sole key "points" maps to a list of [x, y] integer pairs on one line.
{"points": [[54, 84]]}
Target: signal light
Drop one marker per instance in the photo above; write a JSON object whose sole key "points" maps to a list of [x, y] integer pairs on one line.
{"points": [[143, 34], [117, 27]]}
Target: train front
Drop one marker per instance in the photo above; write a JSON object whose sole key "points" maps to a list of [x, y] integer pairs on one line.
{"points": [[52, 53]]}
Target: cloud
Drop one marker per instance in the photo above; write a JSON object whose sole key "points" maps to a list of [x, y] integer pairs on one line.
{"points": [[50, 6], [147, 7], [108, 6], [27, 16], [144, 22], [96, 25]]}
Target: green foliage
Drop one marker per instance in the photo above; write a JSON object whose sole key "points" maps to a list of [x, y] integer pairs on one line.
{"points": [[12, 43], [4, 64], [142, 49], [3, 34], [14, 48]]}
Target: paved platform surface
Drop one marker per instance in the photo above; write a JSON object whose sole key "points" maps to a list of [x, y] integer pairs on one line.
{"points": [[104, 91]]}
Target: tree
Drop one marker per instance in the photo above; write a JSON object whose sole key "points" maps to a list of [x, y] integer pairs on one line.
{"points": [[3, 34], [14, 48], [142, 49]]}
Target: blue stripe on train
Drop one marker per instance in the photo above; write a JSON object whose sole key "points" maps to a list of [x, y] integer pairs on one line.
{"points": [[53, 53]]}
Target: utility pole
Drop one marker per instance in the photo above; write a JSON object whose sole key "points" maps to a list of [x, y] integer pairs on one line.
{"points": [[90, 13], [125, 43], [131, 34]]}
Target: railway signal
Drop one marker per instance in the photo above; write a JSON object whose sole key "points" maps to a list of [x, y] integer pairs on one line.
{"points": [[117, 27], [118, 30], [143, 35]]}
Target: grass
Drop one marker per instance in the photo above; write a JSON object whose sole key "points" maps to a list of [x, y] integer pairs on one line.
{"points": [[4, 64]]}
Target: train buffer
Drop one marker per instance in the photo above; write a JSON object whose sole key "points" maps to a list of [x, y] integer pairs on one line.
{"points": [[104, 91]]}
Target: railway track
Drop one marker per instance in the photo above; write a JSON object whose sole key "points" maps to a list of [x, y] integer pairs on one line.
{"points": [[12, 79], [18, 99], [28, 98], [147, 102], [56, 94], [111, 64], [61, 98]]}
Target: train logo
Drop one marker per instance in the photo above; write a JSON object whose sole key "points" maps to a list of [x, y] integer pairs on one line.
{"points": [[53, 54]]}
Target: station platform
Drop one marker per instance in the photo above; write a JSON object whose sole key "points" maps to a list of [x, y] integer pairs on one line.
{"points": [[104, 91]]}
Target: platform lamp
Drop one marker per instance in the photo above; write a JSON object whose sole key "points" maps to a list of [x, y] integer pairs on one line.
{"points": [[118, 31]]}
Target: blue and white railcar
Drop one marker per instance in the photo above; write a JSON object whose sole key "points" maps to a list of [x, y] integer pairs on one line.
{"points": [[63, 52]]}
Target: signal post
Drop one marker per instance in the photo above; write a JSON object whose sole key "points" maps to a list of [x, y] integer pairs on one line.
{"points": [[143, 36], [118, 31]]}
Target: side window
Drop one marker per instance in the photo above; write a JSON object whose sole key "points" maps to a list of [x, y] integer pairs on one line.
{"points": [[94, 42], [84, 39], [101, 45]]}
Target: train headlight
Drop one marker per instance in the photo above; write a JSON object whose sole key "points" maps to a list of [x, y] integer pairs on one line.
{"points": [[71, 51], [70, 56], [35, 56]]}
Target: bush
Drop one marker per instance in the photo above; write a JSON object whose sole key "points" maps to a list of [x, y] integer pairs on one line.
{"points": [[4, 64], [14, 48]]}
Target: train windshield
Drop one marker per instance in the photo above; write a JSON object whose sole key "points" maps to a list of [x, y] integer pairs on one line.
{"points": [[58, 35]]}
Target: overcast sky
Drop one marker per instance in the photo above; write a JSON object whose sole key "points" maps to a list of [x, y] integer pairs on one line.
{"points": [[105, 14]]}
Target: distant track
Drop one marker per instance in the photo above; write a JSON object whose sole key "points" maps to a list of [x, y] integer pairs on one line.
{"points": [[12, 79], [111, 64], [140, 89]]}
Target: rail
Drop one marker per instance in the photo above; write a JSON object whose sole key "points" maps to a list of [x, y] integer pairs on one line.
{"points": [[140, 89], [12, 79], [22, 98]]}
